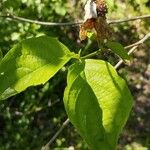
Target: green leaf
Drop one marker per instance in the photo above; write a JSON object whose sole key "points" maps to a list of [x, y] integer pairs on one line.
{"points": [[110, 3], [1, 55], [82, 105], [91, 35], [31, 62], [98, 102], [118, 49]]}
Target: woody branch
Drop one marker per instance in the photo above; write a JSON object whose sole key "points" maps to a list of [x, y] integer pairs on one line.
{"points": [[44, 23]]}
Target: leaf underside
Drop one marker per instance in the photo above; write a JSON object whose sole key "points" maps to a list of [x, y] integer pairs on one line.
{"points": [[98, 102], [31, 62], [118, 49]]}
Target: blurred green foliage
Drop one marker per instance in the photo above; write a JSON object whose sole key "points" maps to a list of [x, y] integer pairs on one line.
{"points": [[30, 119]]}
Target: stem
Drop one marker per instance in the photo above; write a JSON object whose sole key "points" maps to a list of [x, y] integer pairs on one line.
{"points": [[146, 37], [91, 54], [134, 47], [22, 19], [139, 42], [46, 147], [128, 19], [44, 23]]}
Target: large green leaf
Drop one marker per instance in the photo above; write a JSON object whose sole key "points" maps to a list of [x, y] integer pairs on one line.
{"points": [[118, 49], [82, 107], [31, 62], [98, 102]]}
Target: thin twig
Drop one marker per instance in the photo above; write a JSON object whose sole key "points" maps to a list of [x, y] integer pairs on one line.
{"points": [[134, 47], [139, 42], [128, 19], [46, 147], [16, 18]]}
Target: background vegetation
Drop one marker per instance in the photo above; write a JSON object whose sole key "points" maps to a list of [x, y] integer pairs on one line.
{"points": [[30, 119]]}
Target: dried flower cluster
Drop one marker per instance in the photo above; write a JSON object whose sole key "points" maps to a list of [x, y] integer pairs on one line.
{"points": [[101, 8], [95, 18]]}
